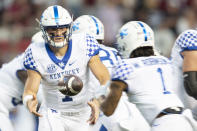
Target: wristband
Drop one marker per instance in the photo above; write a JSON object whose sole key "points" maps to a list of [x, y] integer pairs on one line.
{"points": [[26, 98], [102, 90]]}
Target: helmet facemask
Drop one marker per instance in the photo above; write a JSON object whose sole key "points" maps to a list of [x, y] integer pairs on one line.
{"points": [[51, 36]]}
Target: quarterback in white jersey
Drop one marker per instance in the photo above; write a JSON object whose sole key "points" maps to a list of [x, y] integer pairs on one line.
{"points": [[47, 62], [126, 116], [183, 58], [12, 78], [148, 80]]}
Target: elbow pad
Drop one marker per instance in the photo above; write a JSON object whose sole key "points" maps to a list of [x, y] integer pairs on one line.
{"points": [[190, 83]]}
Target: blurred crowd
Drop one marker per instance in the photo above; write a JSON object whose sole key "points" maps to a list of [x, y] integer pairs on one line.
{"points": [[168, 18]]}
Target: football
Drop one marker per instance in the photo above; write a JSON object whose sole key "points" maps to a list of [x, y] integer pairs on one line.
{"points": [[70, 85]]}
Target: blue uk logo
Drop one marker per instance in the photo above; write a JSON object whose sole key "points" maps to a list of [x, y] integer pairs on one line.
{"points": [[51, 68], [123, 33], [75, 26]]}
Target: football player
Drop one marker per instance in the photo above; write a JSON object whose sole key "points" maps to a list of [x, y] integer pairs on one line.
{"points": [[183, 58], [126, 116], [12, 78], [47, 62], [148, 78]]}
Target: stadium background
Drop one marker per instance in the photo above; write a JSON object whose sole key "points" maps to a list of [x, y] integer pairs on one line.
{"points": [[168, 18]]}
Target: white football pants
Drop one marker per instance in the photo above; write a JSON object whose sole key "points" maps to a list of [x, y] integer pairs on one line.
{"points": [[175, 122], [125, 118], [54, 120]]}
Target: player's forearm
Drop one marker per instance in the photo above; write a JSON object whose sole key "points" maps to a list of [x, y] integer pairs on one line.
{"points": [[32, 83], [104, 77], [102, 74], [110, 103], [30, 89], [99, 70]]}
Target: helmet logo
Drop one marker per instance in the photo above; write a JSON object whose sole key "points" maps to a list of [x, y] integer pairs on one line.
{"points": [[123, 33], [75, 26]]}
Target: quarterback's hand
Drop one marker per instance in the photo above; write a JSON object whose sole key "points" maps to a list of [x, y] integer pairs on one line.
{"points": [[32, 106], [94, 104]]}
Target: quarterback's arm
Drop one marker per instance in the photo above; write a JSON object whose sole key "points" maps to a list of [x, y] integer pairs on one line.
{"points": [[30, 91], [102, 74], [190, 72], [110, 103], [99, 70]]}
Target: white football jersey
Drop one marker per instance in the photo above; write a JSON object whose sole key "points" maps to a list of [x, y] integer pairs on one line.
{"points": [[149, 81], [109, 57], [40, 58], [10, 84], [186, 41]]}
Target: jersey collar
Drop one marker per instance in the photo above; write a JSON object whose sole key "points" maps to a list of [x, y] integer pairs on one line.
{"points": [[61, 63]]}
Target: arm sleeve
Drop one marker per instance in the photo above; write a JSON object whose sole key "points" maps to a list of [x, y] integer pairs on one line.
{"points": [[92, 46], [121, 72], [190, 83], [29, 60], [187, 40]]}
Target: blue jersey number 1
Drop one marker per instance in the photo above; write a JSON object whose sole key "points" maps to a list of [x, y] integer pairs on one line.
{"points": [[163, 83]]}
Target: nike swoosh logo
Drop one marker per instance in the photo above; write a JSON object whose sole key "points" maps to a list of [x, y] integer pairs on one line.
{"points": [[185, 75], [155, 124], [72, 63]]}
